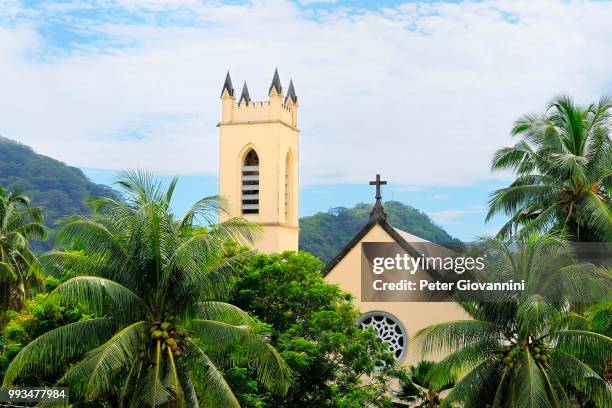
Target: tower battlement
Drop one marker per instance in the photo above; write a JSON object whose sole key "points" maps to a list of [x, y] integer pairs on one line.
{"points": [[278, 107]]}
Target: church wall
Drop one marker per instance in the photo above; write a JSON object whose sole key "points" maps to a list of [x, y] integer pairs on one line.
{"points": [[413, 315], [271, 141], [278, 239]]}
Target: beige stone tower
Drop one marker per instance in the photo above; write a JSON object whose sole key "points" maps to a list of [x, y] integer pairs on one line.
{"points": [[259, 162]]}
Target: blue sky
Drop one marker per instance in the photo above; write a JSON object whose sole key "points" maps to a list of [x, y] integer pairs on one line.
{"points": [[421, 92], [460, 210]]}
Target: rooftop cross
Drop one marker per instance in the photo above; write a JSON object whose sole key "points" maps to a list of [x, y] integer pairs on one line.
{"points": [[378, 212], [378, 182]]}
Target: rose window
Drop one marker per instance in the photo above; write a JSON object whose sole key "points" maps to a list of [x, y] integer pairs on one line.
{"points": [[389, 330]]}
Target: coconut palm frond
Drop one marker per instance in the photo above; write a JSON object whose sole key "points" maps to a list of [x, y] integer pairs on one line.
{"points": [[596, 213], [592, 348], [208, 382], [203, 212], [568, 149], [226, 313], [533, 391], [270, 368], [511, 199], [90, 376], [101, 295], [46, 354], [449, 336], [456, 364], [20, 271], [483, 377], [573, 373]]}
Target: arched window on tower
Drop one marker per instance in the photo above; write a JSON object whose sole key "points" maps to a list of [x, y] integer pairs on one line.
{"points": [[250, 183], [288, 187]]}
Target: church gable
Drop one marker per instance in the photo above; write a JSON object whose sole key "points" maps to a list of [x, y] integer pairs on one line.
{"points": [[395, 321], [345, 268], [378, 218], [379, 230]]}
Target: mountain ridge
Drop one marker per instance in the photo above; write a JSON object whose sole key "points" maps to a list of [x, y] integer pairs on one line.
{"points": [[59, 189], [324, 234]]}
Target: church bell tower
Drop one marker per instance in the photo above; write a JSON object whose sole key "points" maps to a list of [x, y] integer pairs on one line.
{"points": [[259, 162]]}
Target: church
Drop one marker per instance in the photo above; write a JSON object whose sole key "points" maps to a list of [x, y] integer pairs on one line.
{"points": [[259, 178]]}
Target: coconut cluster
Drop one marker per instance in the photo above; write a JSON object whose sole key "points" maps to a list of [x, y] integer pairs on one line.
{"points": [[164, 331], [513, 355]]}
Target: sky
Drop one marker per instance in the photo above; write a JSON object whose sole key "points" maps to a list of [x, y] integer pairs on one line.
{"points": [[421, 92]]}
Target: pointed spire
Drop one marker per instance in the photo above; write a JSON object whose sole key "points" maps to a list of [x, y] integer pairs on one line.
{"points": [[291, 93], [276, 84], [227, 85], [245, 95], [378, 212]]}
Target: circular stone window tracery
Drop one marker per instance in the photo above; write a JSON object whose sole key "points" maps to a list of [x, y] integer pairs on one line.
{"points": [[389, 329]]}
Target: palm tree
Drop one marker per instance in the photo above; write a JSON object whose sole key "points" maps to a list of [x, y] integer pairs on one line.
{"points": [[521, 351], [20, 271], [564, 172], [161, 335], [418, 387], [597, 318]]}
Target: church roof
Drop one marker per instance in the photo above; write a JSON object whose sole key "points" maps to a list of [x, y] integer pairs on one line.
{"points": [[413, 245]]}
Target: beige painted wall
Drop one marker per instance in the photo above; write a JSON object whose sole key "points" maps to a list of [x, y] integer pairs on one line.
{"points": [[413, 315], [269, 127]]}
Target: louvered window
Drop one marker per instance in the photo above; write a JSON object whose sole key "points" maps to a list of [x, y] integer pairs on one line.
{"points": [[288, 188], [250, 184]]}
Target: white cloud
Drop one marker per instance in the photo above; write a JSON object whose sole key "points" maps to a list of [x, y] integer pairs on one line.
{"points": [[422, 93], [310, 2], [440, 197], [452, 216]]}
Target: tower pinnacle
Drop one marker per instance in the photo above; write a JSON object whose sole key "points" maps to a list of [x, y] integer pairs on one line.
{"points": [[291, 93], [276, 84], [245, 95], [227, 85]]}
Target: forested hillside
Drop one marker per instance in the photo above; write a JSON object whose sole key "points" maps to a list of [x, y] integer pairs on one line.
{"points": [[324, 234], [59, 189]]}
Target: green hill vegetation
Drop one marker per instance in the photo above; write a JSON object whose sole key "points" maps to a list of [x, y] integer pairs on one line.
{"points": [[325, 234], [59, 189]]}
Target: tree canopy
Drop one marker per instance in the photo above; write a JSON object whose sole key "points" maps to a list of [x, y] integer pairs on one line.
{"points": [[525, 351], [20, 271], [563, 165], [334, 363], [156, 285]]}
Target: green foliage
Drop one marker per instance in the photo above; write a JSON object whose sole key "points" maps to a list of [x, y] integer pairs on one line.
{"points": [[325, 234], [58, 189], [524, 351], [419, 387], [20, 271], [599, 318], [313, 328], [40, 315], [564, 172], [162, 336]]}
